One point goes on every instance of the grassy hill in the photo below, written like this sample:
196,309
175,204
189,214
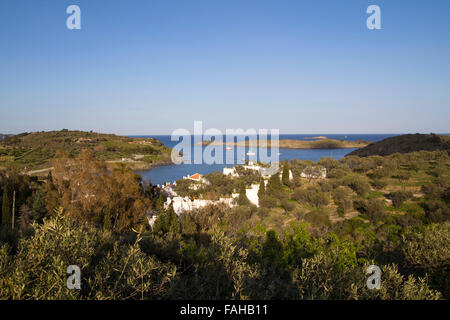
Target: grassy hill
405,144
36,150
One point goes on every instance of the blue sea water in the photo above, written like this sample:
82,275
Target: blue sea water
174,172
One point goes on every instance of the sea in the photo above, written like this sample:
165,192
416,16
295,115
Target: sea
173,172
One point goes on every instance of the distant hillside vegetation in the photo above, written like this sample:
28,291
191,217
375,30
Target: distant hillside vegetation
36,150
4,136
405,144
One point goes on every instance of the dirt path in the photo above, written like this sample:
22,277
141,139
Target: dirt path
39,171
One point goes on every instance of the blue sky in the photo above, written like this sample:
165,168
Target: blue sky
149,67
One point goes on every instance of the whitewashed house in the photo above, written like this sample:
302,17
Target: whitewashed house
181,204
314,172
251,193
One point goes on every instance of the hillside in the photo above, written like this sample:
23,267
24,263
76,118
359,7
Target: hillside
36,150
307,238
405,144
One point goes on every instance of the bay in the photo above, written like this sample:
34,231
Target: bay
171,173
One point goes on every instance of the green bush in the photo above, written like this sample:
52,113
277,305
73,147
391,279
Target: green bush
429,252
268,202
311,196
342,197
398,197
358,183
287,205
436,211
378,183
373,209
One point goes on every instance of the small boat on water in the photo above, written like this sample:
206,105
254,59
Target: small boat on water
251,153
228,148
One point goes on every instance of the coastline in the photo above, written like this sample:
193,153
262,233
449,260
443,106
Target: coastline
142,165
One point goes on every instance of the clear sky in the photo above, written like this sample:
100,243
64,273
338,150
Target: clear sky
149,67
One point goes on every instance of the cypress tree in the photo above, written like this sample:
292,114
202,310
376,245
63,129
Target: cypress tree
160,223
274,184
262,189
285,175
38,205
167,221
159,204
174,225
6,209
243,200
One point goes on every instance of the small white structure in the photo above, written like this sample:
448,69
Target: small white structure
250,166
230,171
181,204
314,172
151,219
169,189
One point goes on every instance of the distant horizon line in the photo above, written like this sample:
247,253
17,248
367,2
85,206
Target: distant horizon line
384,133
298,133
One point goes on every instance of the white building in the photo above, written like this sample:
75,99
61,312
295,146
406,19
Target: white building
181,204
314,172
251,193
169,189
250,166
230,171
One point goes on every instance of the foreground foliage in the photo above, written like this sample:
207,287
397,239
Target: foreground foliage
309,239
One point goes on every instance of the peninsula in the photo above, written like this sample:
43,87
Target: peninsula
33,152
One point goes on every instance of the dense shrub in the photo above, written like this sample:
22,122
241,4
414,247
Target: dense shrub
318,219
287,205
379,173
378,183
342,197
373,209
358,183
311,196
268,202
436,211
429,251
338,173
432,191
399,196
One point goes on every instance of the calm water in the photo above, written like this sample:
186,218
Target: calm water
175,172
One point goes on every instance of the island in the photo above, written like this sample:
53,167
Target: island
294,144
